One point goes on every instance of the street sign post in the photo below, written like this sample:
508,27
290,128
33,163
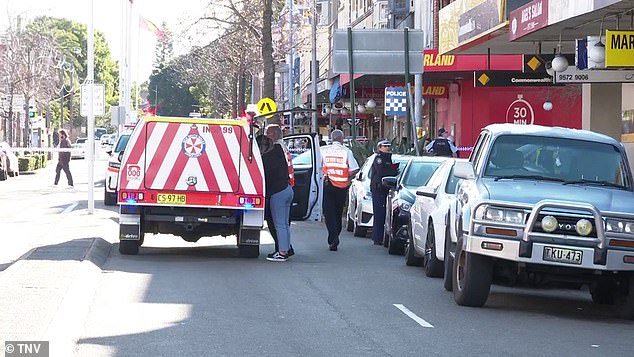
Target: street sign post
572,75
99,104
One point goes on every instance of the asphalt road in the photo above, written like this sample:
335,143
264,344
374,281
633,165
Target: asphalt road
201,300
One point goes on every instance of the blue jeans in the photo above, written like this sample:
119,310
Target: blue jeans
280,210
378,208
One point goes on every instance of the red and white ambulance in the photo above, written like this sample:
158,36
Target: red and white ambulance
196,177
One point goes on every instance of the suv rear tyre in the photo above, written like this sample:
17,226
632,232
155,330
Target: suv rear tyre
448,264
249,251
472,276
411,260
129,247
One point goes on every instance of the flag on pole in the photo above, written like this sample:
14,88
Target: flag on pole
149,25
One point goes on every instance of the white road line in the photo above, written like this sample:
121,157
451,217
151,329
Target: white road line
413,316
70,208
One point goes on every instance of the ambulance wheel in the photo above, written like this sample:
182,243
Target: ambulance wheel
109,198
129,247
249,251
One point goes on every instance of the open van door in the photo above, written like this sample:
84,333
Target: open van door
308,189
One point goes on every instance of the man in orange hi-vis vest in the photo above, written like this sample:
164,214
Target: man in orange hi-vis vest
339,166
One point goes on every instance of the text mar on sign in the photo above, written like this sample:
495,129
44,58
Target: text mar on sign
619,49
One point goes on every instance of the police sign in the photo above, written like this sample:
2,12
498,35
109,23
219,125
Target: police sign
396,101
619,48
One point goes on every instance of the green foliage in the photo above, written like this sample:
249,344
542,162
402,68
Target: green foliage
32,162
174,97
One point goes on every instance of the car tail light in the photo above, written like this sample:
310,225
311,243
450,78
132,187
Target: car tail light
132,197
249,201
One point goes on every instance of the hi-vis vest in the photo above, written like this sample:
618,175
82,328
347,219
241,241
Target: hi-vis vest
335,165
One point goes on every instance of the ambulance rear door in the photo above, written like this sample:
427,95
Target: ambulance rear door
306,157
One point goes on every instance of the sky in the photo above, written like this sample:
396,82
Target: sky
178,14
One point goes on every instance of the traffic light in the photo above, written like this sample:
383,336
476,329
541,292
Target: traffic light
31,111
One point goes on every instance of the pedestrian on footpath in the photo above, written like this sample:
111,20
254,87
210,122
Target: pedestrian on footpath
442,146
63,161
279,193
274,132
339,166
382,166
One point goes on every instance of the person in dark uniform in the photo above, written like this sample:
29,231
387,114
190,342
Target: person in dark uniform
382,166
442,146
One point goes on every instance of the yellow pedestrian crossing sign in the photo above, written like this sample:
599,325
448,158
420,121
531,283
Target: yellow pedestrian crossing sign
266,105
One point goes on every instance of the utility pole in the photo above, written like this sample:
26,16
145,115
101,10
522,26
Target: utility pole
291,86
91,115
314,69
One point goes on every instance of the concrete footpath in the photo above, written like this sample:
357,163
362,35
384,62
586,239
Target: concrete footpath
46,295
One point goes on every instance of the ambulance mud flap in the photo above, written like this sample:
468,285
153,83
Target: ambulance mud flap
249,243
129,227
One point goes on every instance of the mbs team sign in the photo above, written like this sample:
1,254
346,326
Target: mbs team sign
619,48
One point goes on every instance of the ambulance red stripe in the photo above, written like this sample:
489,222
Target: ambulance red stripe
226,157
254,170
155,165
177,171
135,154
210,178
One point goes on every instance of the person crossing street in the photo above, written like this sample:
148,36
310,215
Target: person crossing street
339,166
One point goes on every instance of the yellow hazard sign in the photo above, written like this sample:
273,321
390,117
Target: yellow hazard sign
265,106
619,48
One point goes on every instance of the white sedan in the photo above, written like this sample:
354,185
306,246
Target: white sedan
79,148
430,217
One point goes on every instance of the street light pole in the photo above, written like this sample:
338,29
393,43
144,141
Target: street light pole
314,69
91,115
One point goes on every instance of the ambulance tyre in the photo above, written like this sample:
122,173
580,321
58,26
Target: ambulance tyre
109,198
248,251
129,247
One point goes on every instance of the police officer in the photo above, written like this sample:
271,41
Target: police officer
442,146
382,166
339,166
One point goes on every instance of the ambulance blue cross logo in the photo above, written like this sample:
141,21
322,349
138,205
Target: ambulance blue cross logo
396,101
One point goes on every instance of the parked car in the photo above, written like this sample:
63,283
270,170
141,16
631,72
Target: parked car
360,215
105,139
12,168
79,148
4,166
111,186
401,198
430,221
544,206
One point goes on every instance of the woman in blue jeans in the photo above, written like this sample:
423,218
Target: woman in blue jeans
279,193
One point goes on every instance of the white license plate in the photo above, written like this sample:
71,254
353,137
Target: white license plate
561,255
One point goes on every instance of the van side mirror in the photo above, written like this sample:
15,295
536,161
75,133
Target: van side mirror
464,170
426,191
389,182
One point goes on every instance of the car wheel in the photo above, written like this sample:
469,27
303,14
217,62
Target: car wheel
349,224
627,308
433,267
358,231
472,276
396,246
3,175
448,263
109,198
129,247
603,292
411,259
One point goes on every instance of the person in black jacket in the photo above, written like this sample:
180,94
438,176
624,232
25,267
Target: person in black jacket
382,166
442,146
279,194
